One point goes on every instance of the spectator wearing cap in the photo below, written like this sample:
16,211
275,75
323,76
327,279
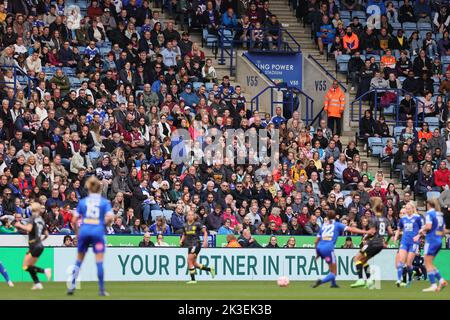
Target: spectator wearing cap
214,220
189,97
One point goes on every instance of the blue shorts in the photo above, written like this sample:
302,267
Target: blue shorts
432,248
90,237
327,254
409,247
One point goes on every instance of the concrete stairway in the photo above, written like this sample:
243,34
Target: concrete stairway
303,36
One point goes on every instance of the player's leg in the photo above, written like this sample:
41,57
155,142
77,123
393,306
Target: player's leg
430,251
360,260
5,275
331,276
191,266
409,263
83,245
401,259
202,266
99,250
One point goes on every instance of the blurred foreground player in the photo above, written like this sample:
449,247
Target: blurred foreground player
95,211
37,232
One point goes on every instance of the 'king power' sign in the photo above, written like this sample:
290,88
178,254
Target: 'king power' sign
284,67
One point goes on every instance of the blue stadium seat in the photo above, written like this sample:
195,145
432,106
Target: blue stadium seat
342,63
390,110
371,141
209,86
424,26
210,40
360,14
445,59
227,38
168,215
432,121
410,26
155,214
345,14
397,132
396,25
197,85
433,195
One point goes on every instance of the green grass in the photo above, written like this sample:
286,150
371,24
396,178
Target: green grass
207,290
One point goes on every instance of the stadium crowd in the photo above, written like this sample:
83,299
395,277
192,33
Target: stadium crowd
109,87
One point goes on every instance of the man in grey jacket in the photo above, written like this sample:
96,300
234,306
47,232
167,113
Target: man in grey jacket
437,141
81,160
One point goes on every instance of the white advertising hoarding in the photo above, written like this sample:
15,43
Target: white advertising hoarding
170,264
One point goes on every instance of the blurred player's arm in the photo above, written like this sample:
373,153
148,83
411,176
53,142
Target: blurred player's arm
205,237
360,231
182,240
424,230
27,227
45,235
75,223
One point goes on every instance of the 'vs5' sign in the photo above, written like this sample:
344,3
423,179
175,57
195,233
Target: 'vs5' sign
320,85
252,81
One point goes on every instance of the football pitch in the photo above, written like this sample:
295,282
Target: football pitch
229,290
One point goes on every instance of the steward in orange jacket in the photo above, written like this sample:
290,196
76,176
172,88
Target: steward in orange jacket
334,105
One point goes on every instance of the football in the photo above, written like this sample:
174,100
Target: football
283,281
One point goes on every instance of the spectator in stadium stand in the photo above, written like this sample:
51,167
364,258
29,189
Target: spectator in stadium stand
232,242
247,241
425,180
441,19
355,66
406,12
441,176
146,241
311,227
422,11
334,105
273,243
369,42
350,41
444,44
325,34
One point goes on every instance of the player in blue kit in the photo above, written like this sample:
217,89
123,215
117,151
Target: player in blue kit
325,243
433,230
410,225
95,212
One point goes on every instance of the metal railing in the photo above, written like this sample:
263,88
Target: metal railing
229,42
377,109
26,79
327,72
290,100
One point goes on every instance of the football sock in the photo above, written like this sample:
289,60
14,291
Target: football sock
100,275
410,273
432,277
4,273
367,270
405,273
400,271
75,272
192,273
437,274
359,269
203,267
330,277
32,271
